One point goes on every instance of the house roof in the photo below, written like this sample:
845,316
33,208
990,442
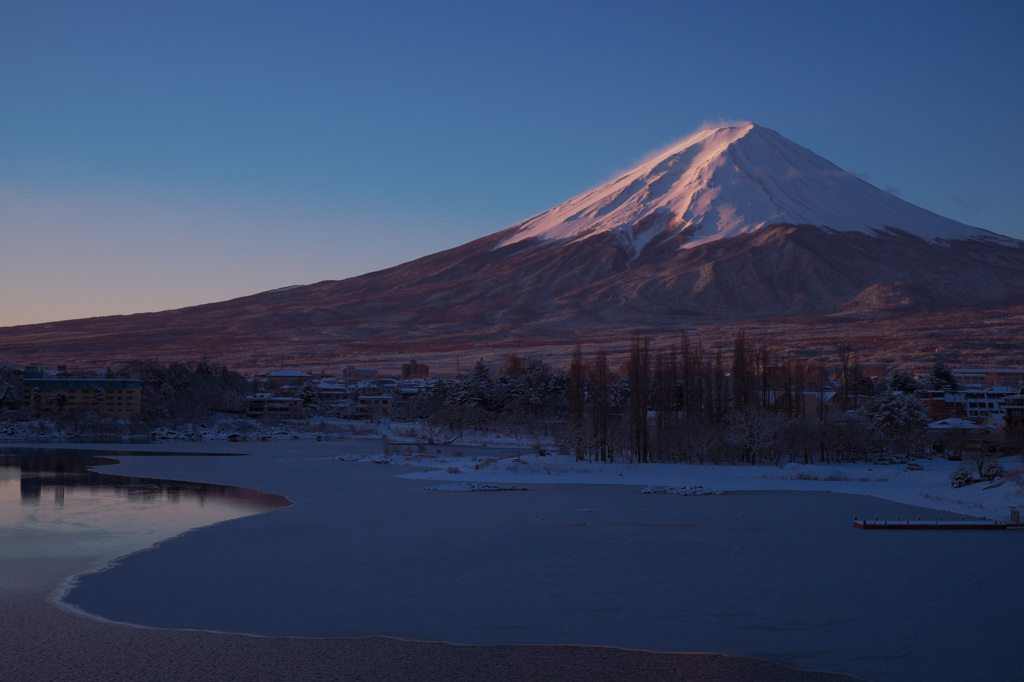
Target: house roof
270,397
956,423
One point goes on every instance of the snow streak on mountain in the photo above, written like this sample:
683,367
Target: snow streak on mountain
719,183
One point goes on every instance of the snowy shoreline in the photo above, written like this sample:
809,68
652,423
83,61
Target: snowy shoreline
924,482
490,459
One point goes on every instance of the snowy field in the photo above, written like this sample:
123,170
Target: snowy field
771,568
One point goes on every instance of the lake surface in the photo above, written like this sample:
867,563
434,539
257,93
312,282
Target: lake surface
781,576
52,504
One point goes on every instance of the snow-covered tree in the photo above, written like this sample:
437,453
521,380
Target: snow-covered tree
987,463
897,415
477,388
903,382
58,401
756,432
309,394
98,396
960,478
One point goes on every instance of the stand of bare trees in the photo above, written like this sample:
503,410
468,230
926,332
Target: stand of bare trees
680,404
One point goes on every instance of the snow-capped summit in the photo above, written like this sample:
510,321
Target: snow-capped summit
722,182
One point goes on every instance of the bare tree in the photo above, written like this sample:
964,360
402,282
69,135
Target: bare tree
718,388
704,441
600,403
744,377
513,367
664,400
576,389
639,392
986,462
757,433
691,363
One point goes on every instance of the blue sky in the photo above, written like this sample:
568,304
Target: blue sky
156,155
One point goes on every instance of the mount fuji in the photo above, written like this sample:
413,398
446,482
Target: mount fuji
730,224
723,182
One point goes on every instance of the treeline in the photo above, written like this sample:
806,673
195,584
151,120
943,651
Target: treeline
678,403
526,398
685,403
182,392
172,394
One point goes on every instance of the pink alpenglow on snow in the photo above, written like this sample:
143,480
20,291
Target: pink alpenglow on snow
726,181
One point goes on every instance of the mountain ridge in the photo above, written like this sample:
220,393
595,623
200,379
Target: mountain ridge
703,248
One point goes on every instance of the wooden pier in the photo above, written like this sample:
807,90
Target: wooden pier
1002,523
941,524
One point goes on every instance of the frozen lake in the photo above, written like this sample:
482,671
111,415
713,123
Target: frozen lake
777,575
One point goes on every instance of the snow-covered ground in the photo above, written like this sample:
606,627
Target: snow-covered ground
922,482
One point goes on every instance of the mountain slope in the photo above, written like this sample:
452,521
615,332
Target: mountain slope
729,224
719,183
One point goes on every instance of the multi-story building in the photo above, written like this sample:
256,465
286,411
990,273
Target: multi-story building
415,370
118,398
353,373
975,378
1013,415
373,406
1000,377
283,378
272,406
330,391
984,406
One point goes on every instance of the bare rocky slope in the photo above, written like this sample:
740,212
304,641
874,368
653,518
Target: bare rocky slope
700,237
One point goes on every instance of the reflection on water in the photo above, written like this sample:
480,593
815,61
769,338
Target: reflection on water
49,498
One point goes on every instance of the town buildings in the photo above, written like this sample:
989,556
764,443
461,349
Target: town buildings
117,398
268,405
980,406
1013,416
291,394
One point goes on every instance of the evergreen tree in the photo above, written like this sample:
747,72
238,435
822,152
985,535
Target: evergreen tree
899,416
942,379
903,382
